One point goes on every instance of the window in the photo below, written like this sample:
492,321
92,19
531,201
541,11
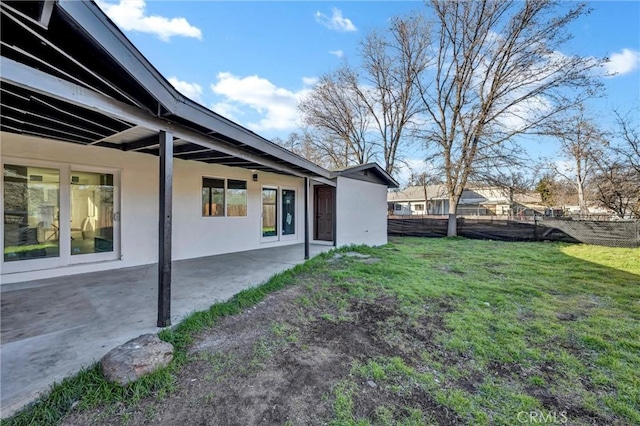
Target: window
236,197
224,195
420,207
212,197
397,207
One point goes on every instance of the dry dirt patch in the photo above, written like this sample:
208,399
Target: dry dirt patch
278,362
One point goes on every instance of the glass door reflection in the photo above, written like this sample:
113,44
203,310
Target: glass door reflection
92,212
288,212
269,212
31,212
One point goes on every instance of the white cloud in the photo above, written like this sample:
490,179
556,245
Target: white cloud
337,53
278,107
336,22
227,110
622,63
520,116
130,16
190,90
309,81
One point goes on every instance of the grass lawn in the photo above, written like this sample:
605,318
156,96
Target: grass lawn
424,331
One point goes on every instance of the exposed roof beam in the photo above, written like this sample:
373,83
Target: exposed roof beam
27,17
48,65
32,133
44,40
140,143
31,79
53,120
47,104
47,128
45,13
233,163
24,98
211,155
188,148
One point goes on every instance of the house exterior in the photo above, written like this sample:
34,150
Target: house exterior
475,201
105,165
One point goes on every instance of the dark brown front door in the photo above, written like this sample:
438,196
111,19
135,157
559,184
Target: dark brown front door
324,200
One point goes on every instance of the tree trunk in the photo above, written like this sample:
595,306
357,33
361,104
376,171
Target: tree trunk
581,201
452,228
426,199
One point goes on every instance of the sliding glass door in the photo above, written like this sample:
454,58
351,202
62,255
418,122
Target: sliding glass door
93,210
56,215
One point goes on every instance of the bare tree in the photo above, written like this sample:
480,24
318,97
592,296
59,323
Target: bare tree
305,146
618,187
617,176
340,118
581,142
628,147
368,109
498,74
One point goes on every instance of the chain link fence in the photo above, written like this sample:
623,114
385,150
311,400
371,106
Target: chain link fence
605,233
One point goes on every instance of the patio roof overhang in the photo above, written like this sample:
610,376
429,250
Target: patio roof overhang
69,74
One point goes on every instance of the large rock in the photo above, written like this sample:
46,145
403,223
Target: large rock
132,360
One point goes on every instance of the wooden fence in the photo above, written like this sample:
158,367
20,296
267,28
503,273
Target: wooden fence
609,233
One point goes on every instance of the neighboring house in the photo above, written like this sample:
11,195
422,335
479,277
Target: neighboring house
412,201
105,165
592,211
475,201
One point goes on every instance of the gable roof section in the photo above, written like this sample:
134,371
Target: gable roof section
416,193
471,195
370,172
79,44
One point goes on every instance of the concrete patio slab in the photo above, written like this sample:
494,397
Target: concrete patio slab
52,328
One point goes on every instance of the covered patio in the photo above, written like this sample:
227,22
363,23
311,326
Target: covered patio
53,327
107,167
70,79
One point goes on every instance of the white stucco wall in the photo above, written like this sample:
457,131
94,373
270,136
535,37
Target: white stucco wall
193,235
361,213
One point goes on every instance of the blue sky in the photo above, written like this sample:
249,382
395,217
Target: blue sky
253,61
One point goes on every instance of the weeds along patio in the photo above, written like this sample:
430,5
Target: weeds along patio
53,327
